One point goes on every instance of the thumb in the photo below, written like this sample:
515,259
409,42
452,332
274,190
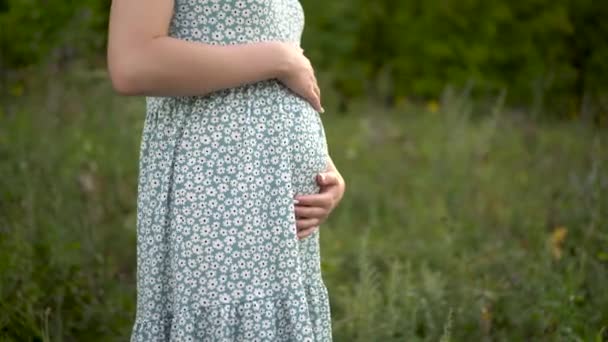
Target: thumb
327,178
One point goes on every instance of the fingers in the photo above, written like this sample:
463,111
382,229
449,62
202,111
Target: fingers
306,223
323,200
301,80
306,232
318,95
315,85
314,88
310,212
313,96
314,100
317,92
327,178
309,218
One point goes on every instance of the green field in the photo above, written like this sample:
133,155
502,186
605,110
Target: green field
461,221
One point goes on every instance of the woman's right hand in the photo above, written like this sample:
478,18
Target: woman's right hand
299,76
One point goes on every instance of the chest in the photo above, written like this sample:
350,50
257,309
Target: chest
237,21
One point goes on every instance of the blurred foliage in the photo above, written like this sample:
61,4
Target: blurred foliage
546,53
50,31
400,49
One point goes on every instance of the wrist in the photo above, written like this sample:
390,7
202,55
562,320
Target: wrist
281,57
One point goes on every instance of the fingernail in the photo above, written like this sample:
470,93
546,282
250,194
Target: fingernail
295,201
322,176
322,110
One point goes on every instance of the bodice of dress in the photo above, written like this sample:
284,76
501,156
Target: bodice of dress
238,21
226,22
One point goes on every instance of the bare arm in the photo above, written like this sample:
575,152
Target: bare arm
144,60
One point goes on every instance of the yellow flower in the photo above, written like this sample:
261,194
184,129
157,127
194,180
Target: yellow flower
432,106
556,241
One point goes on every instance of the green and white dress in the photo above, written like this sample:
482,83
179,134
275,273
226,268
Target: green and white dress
218,258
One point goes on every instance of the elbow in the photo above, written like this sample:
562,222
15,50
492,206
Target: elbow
132,68
122,83
124,78
125,70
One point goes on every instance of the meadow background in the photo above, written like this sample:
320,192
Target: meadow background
471,134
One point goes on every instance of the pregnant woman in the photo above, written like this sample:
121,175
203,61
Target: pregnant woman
234,172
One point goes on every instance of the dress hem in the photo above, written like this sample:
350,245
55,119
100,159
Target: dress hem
224,322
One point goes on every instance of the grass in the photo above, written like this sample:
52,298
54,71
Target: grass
461,222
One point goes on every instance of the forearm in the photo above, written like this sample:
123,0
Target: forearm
166,66
143,59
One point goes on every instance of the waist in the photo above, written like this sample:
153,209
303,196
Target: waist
266,89
268,93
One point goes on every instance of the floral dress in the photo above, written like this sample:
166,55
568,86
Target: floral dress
218,258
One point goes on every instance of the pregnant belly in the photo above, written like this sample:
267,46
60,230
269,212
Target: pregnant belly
308,143
294,119
260,130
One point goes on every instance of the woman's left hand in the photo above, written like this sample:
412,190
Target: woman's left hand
312,210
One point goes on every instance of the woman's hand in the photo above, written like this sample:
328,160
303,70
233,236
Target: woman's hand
312,210
299,76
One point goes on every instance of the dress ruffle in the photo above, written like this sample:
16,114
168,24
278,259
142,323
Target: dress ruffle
299,316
